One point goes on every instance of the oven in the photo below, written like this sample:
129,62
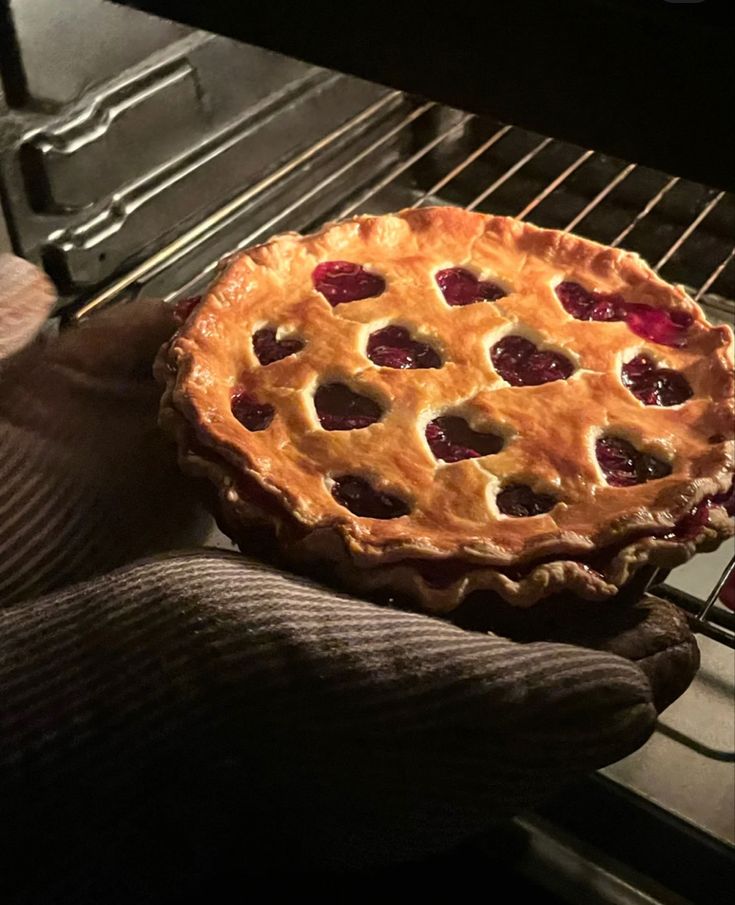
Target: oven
131,165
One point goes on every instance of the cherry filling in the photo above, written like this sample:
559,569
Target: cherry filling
590,306
668,328
184,307
361,498
269,349
520,363
460,287
623,465
654,385
698,516
253,415
441,573
341,409
343,281
392,347
451,439
520,501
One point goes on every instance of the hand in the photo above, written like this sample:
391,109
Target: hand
198,711
87,480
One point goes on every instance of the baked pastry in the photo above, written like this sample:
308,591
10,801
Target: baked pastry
438,401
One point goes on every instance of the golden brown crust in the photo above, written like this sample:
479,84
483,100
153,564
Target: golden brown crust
551,429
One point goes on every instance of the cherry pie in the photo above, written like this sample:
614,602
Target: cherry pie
439,401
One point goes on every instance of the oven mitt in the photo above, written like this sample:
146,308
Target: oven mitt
197,715
87,480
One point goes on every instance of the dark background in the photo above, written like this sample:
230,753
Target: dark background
646,80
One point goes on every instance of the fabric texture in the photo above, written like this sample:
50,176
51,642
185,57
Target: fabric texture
349,734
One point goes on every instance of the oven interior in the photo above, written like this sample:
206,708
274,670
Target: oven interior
133,175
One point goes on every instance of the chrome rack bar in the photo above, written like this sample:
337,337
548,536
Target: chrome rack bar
715,273
402,167
222,213
705,212
694,606
471,158
712,599
641,215
554,184
603,193
508,173
315,190
249,239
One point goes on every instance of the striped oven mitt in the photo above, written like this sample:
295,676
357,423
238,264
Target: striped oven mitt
166,720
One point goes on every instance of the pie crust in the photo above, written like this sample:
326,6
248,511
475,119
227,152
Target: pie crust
453,539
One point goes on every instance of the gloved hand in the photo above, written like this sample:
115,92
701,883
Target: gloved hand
87,481
175,717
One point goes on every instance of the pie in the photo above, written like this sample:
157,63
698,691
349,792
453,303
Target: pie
435,402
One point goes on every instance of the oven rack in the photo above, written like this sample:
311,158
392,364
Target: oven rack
423,153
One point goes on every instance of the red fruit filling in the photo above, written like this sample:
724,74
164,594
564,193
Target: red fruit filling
184,307
623,465
253,415
520,363
460,287
441,573
392,347
269,349
341,409
668,328
361,498
343,281
520,501
654,385
451,439
590,306
697,517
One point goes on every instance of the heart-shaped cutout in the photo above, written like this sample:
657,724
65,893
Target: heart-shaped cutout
520,501
667,328
341,409
344,281
590,306
521,363
268,348
361,498
392,347
461,287
654,385
623,465
253,415
451,439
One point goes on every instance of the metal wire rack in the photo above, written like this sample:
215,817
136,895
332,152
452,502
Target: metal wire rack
402,152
